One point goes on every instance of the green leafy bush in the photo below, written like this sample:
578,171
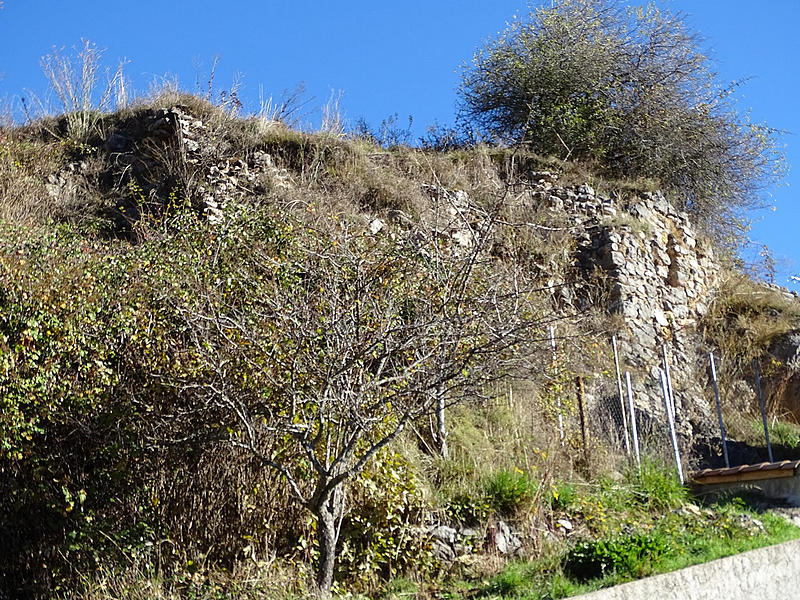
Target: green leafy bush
630,90
508,490
87,465
562,495
468,509
378,536
632,556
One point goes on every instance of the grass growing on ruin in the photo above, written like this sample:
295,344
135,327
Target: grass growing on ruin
621,531
744,318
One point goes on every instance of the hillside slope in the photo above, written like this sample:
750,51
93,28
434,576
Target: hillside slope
177,283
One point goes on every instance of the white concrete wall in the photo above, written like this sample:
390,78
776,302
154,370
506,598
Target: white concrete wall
771,573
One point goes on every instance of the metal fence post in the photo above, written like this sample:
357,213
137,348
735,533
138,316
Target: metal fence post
669,381
633,419
621,399
671,423
719,409
555,373
763,410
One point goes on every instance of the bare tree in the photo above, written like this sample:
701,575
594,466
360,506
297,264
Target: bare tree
315,358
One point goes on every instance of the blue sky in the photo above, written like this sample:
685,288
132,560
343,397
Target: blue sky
388,57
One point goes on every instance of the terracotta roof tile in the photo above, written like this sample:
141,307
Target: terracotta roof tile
765,470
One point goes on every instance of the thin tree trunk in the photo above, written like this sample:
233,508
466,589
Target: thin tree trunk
327,537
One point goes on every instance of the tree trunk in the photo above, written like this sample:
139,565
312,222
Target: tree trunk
327,535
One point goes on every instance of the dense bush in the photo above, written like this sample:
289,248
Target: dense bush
95,465
153,391
630,556
508,490
629,89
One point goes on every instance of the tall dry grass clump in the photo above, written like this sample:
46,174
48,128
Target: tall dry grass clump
76,82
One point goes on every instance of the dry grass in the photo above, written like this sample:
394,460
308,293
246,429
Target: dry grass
745,317
25,165
270,580
75,78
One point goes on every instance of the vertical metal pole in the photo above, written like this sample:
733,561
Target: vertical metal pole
763,410
621,399
441,427
669,380
719,409
555,373
584,419
671,423
632,413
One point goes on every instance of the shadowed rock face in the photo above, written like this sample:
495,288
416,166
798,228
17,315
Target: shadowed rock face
782,390
786,349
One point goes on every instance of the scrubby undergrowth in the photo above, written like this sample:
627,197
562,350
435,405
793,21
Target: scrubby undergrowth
149,347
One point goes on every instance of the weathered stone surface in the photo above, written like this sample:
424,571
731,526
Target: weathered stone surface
502,539
787,350
376,226
658,274
449,544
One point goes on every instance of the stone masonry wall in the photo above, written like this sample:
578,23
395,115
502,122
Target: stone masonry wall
660,277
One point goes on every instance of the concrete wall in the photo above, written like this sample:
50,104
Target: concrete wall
771,573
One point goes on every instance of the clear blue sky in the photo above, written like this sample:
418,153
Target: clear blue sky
389,57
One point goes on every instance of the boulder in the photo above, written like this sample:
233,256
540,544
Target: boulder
501,538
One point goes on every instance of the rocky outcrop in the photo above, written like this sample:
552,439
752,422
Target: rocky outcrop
449,543
638,259
660,280
656,276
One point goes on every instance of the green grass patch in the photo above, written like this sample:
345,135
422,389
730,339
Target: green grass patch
644,525
508,490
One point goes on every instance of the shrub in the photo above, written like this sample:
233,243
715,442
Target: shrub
627,88
379,538
624,555
468,509
562,495
744,319
506,491
74,81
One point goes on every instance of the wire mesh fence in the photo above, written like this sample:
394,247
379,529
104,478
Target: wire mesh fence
649,412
